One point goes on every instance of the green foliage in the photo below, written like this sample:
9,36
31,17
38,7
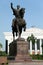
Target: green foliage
4,63
2,53
32,38
37,57
0,45
28,39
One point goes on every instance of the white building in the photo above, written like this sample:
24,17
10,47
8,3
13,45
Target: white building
33,49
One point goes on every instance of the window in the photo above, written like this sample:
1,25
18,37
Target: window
38,44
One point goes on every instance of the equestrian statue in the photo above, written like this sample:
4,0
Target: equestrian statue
18,23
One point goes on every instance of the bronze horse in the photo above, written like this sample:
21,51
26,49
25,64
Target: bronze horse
17,27
18,23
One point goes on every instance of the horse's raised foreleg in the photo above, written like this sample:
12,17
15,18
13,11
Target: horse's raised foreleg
13,32
18,31
13,35
24,27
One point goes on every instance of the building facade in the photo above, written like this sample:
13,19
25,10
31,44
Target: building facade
33,48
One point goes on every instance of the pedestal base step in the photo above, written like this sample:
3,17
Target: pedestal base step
23,58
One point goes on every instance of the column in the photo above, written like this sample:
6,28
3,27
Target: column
40,47
30,47
8,47
35,47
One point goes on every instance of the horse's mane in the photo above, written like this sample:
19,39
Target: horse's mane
22,11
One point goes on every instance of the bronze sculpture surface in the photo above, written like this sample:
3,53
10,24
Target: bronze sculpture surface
18,23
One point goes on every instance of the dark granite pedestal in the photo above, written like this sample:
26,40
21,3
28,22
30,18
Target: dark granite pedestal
21,48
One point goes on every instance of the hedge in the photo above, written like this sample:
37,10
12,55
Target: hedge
2,53
37,57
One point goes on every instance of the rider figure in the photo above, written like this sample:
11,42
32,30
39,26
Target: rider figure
16,11
17,16
18,20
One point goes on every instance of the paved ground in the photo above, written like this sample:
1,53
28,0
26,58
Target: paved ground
27,63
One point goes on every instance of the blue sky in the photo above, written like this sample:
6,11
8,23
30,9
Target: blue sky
33,15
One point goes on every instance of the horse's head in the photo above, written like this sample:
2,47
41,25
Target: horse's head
22,10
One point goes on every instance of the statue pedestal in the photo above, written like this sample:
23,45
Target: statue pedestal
22,51
19,50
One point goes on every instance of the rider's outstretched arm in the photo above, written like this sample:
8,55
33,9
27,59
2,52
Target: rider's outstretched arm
12,6
13,9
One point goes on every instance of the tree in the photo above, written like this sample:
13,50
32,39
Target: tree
31,38
0,46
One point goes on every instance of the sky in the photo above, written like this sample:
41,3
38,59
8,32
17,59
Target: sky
33,15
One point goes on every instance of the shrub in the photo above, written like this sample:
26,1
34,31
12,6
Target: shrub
2,53
38,57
